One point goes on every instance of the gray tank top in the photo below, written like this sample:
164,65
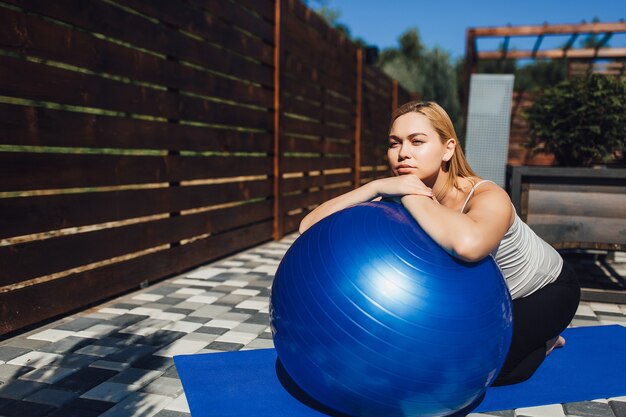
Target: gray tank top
527,262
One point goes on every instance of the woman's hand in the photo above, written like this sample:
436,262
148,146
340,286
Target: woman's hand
386,187
401,185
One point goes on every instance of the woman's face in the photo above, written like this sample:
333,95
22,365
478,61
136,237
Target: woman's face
415,147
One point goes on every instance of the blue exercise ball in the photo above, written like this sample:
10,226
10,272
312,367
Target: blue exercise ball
371,317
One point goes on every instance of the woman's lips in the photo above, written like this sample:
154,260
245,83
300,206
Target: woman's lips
405,168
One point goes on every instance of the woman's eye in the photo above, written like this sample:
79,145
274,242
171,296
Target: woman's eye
392,144
417,142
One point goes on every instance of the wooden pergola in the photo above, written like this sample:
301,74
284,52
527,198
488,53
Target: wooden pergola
540,32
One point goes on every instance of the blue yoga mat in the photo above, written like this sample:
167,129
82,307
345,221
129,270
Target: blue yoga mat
253,383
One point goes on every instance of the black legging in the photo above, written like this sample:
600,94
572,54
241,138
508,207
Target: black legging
538,318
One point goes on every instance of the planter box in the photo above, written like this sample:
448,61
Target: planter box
572,208
576,208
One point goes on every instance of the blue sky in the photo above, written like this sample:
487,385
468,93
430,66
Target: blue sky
444,23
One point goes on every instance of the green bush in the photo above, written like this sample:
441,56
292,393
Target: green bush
580,121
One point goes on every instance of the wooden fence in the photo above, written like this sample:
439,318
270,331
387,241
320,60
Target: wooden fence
139,139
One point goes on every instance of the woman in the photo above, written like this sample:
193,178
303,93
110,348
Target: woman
472,218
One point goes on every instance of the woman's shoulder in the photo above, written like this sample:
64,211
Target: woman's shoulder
474,186
489,194
482,186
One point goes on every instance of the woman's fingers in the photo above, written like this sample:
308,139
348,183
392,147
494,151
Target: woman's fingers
403,185
416,186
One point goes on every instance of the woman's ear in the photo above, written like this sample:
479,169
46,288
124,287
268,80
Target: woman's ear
450,146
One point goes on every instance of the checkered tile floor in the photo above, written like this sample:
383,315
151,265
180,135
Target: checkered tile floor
116,359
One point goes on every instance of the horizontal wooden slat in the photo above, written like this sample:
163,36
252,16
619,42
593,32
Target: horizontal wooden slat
290,144
305,182
337,80
34,81
35,171
576,176
35,303
575,203
51,41
345,103
310,72
319,112
233,12
376,101
300,29
292,223
373,158
376,137
369,160
582,53
37,126
315,164
377,76
379,121
585,186
579,231
374,134
309,19
293,202
382,83
373,151
403,96
100,17
378,115
264,8
292,86
307,52
375,142
38,258
26,215
305,127
181,15
545,29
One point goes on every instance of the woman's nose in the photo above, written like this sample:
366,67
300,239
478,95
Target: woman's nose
403,152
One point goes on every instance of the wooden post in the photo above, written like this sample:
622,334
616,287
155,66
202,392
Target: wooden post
357,128
394,95
471,66
174,153
278,56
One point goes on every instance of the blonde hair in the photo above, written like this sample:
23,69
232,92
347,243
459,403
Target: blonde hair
457,166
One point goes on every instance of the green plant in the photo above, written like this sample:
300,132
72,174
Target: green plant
580,121
428,72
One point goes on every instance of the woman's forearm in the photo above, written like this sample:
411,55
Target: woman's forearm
362,194
457,233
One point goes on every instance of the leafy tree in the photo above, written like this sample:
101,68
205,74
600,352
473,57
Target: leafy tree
428,72
499,66
441,81
540,74
405,62
580,121
535,75
331,16
591,40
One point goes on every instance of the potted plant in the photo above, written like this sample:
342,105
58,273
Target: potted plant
581,121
